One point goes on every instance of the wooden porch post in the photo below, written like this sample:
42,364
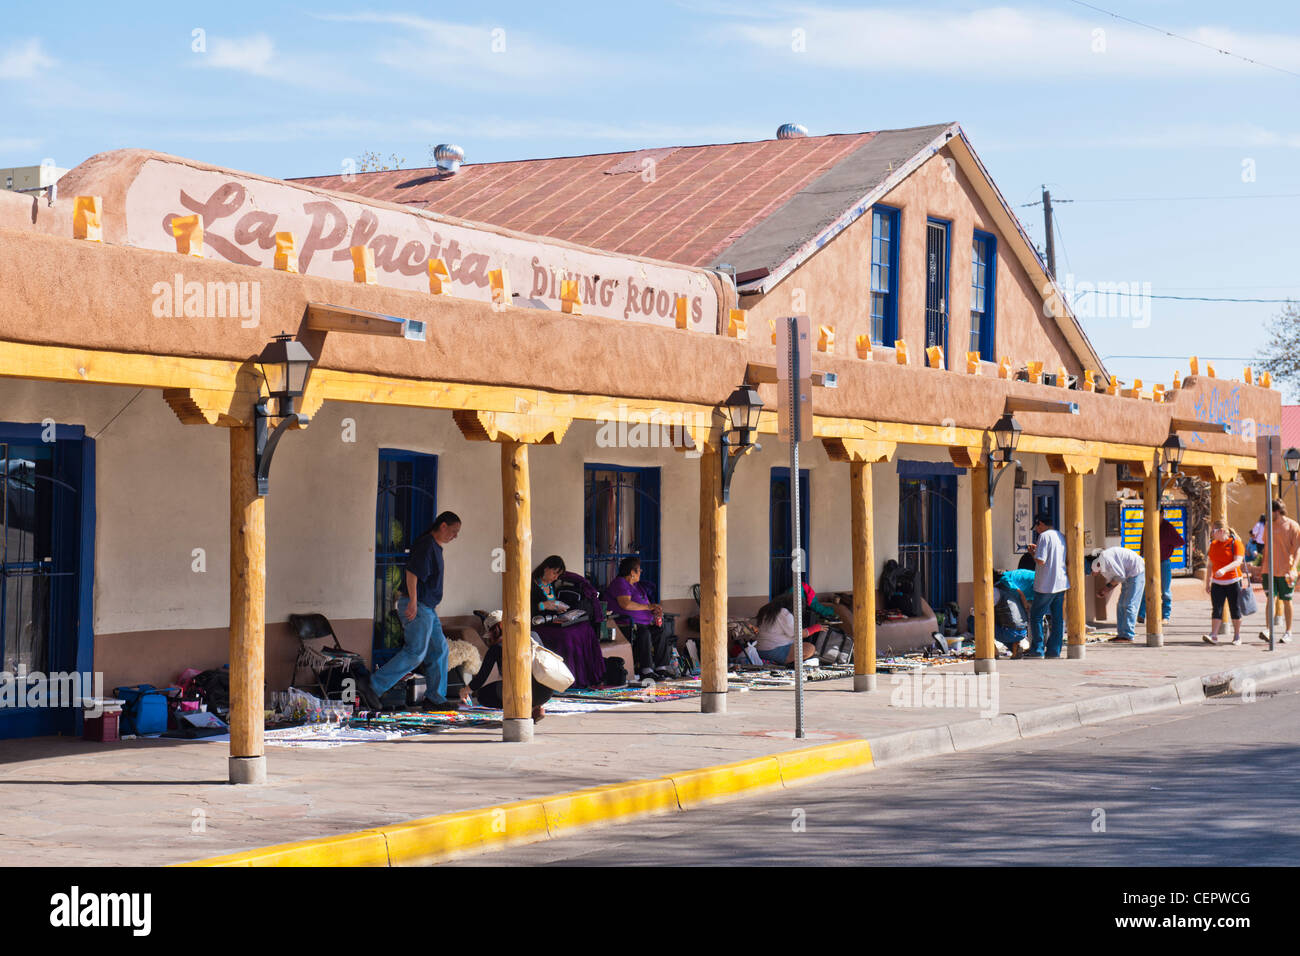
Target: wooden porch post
862,530
1218,502
1151,554
981,537
713,583
861,454
515,431
1073,468
1075,613
516,626
247,612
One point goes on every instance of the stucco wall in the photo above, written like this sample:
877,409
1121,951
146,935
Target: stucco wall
833,286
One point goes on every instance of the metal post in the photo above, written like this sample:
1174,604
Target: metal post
797,539
1051,238
1268,536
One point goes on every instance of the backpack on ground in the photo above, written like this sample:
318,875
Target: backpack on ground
615,672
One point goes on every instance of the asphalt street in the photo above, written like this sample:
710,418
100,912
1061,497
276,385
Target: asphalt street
1215,783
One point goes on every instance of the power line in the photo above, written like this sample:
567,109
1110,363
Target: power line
1180,298
1178,36
1169,198
1061,232
1217,358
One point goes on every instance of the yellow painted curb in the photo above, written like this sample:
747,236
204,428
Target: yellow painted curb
696,787
364,848
839,757
617,801
431,839
437,838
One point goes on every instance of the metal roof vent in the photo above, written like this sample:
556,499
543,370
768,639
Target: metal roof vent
792,131
448,156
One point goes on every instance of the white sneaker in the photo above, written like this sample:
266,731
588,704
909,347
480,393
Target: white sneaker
1236,641
1286,638
1209,640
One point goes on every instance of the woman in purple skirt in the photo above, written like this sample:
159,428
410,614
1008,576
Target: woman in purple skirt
578,644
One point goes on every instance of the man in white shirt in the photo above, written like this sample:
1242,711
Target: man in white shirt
1050,585
1124,567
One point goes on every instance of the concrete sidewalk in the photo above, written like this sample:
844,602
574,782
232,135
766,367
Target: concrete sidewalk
64,801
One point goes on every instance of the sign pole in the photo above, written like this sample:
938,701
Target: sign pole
1270,590
795,399
1268,453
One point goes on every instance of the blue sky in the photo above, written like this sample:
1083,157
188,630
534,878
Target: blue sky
294,89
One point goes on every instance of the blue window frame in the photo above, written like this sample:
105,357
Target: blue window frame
884,275
621,521
406,505
47,568
780,576
983,294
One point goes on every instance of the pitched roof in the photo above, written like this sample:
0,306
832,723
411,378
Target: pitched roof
747,204
1291,426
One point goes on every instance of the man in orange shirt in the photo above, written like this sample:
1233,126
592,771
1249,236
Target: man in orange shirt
1286,540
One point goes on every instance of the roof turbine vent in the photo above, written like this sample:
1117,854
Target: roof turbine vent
448,156
792,131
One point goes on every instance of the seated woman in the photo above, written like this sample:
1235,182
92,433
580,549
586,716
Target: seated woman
486,686
651,652
578,644
775,622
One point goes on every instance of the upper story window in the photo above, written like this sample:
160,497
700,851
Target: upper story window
983,275
884,275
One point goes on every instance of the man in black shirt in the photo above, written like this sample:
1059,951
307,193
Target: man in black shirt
425,644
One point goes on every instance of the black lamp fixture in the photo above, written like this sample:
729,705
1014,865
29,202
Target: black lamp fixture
1171,458
743,408
285,364
1006,436
1291,462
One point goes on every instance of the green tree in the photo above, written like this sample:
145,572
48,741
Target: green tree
1281,355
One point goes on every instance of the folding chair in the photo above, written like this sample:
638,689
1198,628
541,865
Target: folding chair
314,654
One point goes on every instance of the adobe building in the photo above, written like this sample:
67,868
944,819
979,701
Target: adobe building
553,308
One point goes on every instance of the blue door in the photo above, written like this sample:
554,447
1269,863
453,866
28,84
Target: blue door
405,508
46,576
780,576
927,533
1047,498
621,508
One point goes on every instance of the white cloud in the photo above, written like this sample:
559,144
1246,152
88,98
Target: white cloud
255,55
1004,41
461,55
23,60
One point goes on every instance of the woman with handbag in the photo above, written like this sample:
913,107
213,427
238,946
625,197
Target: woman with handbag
487,686
1224,580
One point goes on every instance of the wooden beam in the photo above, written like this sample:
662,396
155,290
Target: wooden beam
713,585
966,456
247,613
858,449
1073,464
1151,555
759,374
982,547
1019,403
861,532
1076,596
336,318
516,592
1192,425
1218,501
528,429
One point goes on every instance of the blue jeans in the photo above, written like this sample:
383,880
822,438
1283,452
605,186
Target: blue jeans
1130,596
425,648
1053,604
1166,594
777,655
1008,636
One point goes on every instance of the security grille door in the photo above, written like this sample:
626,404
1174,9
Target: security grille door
936,286
622,521
405,507
927,534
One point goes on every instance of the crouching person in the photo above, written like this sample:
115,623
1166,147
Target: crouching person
776,643
487,686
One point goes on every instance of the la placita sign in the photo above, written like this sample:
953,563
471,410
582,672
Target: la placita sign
241,216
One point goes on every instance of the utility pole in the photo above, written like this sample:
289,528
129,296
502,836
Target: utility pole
1047,227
